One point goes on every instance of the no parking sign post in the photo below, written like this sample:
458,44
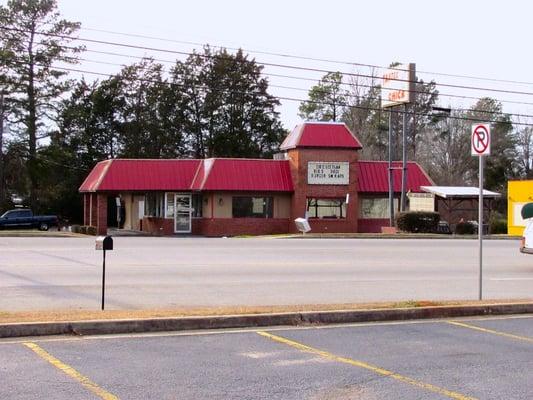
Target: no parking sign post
480,141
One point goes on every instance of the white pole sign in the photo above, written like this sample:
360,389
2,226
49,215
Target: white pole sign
480,140
397,85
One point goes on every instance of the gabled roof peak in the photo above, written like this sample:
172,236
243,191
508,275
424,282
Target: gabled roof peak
321,134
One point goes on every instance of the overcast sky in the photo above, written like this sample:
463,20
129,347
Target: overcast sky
480,38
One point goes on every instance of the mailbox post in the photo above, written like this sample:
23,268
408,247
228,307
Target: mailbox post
103,243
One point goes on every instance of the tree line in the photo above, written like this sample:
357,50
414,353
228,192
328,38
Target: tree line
214,103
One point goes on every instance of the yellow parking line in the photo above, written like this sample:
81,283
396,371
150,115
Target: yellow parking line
491,331
86,382
361,364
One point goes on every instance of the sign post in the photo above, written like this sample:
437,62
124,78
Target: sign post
480,141
397,88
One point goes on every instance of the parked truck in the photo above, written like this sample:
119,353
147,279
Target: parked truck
24,218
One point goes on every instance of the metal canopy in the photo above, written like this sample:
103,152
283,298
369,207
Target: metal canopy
449,192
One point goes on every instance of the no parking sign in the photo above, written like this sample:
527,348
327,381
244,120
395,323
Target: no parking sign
480,140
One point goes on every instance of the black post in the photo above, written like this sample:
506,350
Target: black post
103,282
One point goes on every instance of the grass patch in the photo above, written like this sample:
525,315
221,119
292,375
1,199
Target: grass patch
84,315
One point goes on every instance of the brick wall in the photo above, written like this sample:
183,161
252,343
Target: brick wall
372,225
217,227
298,162
243,226
158,226
101,214
94,210
86,209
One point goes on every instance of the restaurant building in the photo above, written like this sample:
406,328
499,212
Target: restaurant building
317,176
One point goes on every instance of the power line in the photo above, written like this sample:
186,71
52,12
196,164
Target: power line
118,44
299,57
307,79
352,96
465,97
351,106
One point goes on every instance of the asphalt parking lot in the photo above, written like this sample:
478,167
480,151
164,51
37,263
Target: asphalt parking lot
477,358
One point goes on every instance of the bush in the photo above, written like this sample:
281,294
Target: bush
465,228
418,221
91,230
498,225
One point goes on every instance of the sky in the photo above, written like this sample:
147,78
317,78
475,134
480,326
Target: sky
487,39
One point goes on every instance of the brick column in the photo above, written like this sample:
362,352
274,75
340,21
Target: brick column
86,209
93,213
101,211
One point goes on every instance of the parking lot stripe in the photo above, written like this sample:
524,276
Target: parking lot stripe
86,382
361,364
491,331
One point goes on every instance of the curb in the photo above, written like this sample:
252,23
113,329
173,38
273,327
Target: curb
103,327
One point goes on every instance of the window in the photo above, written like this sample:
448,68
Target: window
197,205
169,210
326,208
375,208
154,205
252,207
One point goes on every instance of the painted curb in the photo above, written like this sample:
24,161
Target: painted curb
102,327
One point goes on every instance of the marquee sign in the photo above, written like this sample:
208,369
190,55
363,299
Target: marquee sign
328,173
397,85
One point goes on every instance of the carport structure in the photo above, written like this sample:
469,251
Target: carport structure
456,203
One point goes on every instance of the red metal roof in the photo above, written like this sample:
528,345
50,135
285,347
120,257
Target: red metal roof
321,134
248,175
374,178
91,183
226,174
172,175
131,175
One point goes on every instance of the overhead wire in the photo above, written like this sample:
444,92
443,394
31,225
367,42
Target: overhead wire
300,57
441,94
296,67
348,95
350,106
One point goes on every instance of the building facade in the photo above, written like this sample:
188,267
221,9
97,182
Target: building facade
317,176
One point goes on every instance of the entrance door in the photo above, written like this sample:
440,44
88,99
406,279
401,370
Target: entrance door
182,216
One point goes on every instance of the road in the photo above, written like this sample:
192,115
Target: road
148,272
477,358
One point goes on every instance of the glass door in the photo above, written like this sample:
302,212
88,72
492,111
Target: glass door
183,213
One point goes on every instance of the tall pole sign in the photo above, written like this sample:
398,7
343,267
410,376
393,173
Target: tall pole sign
480,141
397,88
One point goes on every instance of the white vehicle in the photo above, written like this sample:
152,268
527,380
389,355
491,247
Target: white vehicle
526,243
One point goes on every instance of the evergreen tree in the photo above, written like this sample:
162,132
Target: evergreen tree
32,42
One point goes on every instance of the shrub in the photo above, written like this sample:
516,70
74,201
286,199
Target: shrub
465,228
75,229
498,225
91,230
418,221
